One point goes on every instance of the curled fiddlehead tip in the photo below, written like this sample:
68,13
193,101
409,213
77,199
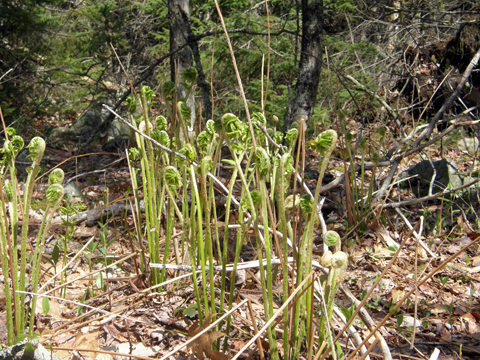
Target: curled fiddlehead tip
203,139
147,93
306,204
172,178
161,122
233,127
12,147
55,194
142,127
263,162
163,138
260,118
325,141
362,142
133,155
291,136
132,103
184,111
36,148
287,162
331,238
56,177
189,75
244,204
168,90
210,127
337,261
278,137
326,259
256,198
292,202
190,153
340,263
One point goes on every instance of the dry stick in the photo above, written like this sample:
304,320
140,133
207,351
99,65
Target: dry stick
91,273
428,131
365,317
272,319
426,198
239,80
416,293
83,305
66,266
130,82
255,329
369,350
117,301
407,295
431,97
71,158
98,351
107,317
434,337
417,235
367,296
203,331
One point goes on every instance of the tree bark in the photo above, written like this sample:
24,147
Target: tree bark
301,106
193,43
182,59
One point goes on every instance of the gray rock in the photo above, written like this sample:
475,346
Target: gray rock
72,191
117,144
87,126
468,144
17,352
420,176
474,190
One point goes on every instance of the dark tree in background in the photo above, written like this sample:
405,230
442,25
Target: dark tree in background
303,102
181,60
22,26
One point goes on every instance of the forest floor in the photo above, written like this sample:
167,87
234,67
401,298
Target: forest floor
443,313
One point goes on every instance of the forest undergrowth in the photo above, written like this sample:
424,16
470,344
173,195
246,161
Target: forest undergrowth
126,284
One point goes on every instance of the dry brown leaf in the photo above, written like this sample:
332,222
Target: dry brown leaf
470,323
137,282
205,342
397,295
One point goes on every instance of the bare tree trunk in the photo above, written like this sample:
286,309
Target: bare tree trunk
182,59
301,106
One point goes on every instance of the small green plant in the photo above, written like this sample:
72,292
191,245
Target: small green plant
399,323
443,280
471,296
449,308
360,200
89,255
14,267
